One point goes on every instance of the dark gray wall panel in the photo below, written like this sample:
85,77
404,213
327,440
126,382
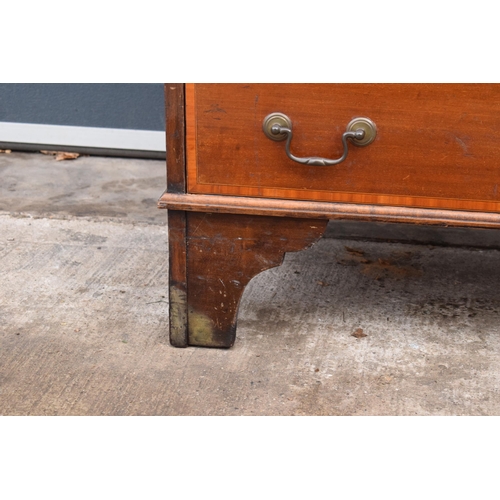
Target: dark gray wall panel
110,105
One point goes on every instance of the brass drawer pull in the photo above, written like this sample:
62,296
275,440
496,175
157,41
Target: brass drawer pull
278,127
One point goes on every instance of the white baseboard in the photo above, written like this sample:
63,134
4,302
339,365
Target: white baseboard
83,137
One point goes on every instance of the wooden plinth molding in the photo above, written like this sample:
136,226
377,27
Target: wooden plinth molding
330,211
212,259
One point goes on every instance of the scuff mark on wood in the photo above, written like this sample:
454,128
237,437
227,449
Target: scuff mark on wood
215,108
178,316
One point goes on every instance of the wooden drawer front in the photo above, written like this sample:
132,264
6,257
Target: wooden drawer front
437,145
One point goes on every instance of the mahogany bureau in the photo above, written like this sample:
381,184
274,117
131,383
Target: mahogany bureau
254,171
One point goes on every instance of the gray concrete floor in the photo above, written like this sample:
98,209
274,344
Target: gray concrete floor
84,305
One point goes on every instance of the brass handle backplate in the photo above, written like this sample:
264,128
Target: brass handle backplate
360,131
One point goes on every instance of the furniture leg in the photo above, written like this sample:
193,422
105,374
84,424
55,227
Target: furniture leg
212,259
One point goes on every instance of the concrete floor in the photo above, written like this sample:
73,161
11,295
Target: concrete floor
83,310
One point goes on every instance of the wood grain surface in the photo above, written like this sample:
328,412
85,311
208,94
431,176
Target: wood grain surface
175,131
437,145
176,183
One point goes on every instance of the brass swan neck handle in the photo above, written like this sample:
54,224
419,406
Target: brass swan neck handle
360,131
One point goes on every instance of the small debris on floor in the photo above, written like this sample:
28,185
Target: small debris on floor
61,155
390,268
355,251
354,258
359,334
6,151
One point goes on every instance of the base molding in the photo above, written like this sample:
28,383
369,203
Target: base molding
326,210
